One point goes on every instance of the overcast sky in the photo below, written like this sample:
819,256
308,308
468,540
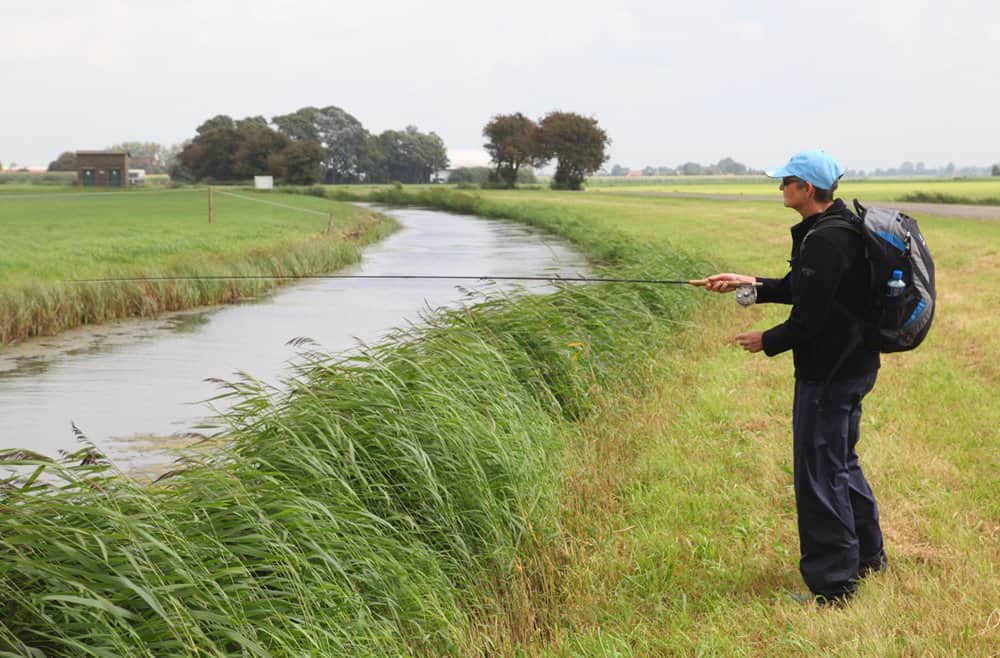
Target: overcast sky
875,82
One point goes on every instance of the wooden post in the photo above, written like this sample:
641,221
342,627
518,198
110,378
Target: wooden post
209,204
329,222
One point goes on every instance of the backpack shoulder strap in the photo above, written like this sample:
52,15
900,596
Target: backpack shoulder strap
853,225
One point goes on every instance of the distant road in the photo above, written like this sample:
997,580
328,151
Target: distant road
943,209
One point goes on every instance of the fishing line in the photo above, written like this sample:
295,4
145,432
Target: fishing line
482,277
746,292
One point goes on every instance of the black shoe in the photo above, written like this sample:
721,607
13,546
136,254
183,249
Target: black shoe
878,566
835,601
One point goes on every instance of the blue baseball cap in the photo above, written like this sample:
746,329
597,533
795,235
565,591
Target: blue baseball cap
817,167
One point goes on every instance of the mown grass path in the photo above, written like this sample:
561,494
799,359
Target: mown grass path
679,514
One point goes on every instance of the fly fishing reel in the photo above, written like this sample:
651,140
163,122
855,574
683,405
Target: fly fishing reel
746,295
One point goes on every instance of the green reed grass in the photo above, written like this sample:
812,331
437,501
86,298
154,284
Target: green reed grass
377,508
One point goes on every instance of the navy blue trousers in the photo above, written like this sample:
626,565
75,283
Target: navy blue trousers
839,534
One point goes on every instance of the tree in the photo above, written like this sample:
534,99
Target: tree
144,155
212,153
65,162
252,122
619,170
256,143
996,170
348,146
475,175
730,166
299,163
409,156
218,122
577,143
514,141
227,150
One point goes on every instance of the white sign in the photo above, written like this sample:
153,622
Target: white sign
263,182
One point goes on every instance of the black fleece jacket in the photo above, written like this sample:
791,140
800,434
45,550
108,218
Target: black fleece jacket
828,282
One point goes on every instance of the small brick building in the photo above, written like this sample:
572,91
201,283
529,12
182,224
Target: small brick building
102,168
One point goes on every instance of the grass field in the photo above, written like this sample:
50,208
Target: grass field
599,472
53,237
970,189
680,516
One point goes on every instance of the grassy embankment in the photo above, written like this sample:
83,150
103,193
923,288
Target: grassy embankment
679,527
50,238
393,504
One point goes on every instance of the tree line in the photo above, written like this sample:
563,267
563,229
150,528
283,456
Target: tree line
308,146
723,166
516,142
304,147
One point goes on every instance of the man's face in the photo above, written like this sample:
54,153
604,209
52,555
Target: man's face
795,191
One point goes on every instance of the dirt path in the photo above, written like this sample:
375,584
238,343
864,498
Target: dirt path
941,209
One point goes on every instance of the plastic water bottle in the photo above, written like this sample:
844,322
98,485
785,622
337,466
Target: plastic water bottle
896,284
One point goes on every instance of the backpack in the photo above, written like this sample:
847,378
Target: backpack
893,241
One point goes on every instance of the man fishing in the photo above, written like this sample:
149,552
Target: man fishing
827,288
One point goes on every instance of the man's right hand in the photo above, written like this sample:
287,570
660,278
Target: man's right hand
728,282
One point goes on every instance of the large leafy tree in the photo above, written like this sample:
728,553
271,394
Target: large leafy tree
577,143
225,150
299,163
347,145
514,141
409,156
212,153
256,143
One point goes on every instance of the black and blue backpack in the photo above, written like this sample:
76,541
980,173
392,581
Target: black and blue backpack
893,241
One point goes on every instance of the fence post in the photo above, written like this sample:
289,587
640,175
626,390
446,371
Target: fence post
329,222
209,204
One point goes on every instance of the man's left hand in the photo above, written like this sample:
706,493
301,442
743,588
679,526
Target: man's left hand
752,341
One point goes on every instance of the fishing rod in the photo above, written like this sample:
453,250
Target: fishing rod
746,293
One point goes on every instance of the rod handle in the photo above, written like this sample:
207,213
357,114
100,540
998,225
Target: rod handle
701,283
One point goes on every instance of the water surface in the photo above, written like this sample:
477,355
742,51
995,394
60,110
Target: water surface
136,386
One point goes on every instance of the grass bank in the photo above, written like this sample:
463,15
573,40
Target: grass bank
50,239
395,503
678,522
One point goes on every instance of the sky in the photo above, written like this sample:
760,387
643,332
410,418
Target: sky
874,82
